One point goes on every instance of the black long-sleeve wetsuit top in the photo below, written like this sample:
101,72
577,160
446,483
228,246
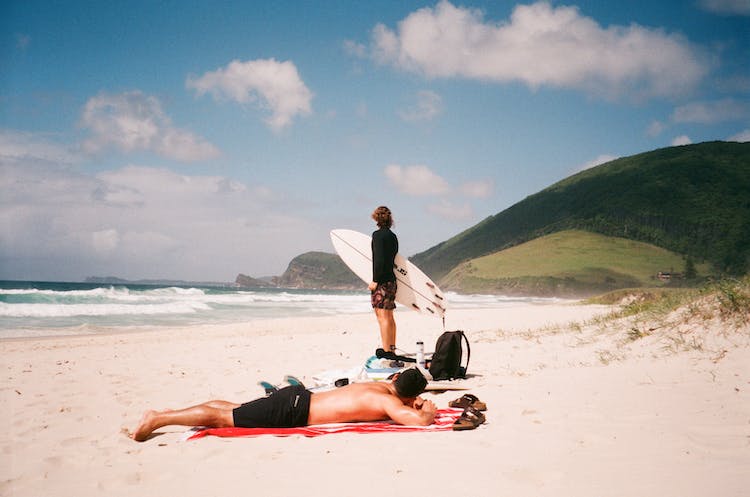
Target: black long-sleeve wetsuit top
384,250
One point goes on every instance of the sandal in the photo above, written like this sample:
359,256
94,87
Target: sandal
470,419
468,400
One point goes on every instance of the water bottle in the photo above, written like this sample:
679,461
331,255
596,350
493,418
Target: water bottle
420,354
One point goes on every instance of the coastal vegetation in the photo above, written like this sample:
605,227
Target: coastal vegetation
675,316
728,299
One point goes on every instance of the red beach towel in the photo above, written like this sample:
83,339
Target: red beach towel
444,420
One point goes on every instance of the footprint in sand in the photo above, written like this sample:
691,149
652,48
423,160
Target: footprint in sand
529,412
72,441
54,461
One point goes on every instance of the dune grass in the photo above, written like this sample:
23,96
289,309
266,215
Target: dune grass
728,299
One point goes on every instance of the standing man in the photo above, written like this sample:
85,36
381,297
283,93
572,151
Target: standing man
383,285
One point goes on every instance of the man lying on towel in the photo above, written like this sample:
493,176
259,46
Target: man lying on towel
295,406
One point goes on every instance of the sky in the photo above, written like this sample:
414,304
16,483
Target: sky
196,140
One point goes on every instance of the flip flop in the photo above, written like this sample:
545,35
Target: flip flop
469,420
468,400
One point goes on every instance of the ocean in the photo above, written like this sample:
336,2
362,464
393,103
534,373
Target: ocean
36,309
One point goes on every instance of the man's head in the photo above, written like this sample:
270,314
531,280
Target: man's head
383,217
410,383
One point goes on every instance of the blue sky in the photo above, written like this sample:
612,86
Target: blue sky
197,140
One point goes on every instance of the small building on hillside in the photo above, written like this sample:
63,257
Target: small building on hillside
668,275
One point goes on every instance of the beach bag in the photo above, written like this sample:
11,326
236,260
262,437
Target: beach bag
446,360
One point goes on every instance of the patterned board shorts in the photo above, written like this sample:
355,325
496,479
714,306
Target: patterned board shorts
384,296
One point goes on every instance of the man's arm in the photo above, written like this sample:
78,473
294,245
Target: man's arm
422,414
378,257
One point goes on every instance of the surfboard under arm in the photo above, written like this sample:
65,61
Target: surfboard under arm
415,289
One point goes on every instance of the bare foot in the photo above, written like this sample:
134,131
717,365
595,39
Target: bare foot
145,427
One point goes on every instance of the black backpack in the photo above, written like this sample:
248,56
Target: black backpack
446,361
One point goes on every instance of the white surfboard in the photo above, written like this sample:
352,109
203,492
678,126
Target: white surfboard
415,290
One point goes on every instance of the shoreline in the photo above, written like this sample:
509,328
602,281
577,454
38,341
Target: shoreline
44,332
573,409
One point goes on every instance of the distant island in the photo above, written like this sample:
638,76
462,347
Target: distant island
114,280
319,270
311,270
245,281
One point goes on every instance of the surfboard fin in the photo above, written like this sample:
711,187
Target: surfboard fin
268,387
294,381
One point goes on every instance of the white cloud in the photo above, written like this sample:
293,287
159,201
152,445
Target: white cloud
416,180
105,241
133,121
138,222
706,112
742,137
727,7
274,85
429,105
541,45
712,112
420,181
477,189
355,49
681,140
19,146
601,159
448,210
655,128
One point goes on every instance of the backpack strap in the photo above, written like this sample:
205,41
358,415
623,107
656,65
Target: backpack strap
468,350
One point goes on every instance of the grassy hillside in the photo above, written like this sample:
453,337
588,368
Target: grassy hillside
692,200
570,263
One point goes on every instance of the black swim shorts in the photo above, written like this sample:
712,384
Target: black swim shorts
384,296
286,408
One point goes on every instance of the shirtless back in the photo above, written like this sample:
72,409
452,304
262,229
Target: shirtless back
355,402
369,402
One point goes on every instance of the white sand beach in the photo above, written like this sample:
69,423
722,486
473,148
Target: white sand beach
594,408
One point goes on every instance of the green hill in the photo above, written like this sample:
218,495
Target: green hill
570,263
692,200
319,270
